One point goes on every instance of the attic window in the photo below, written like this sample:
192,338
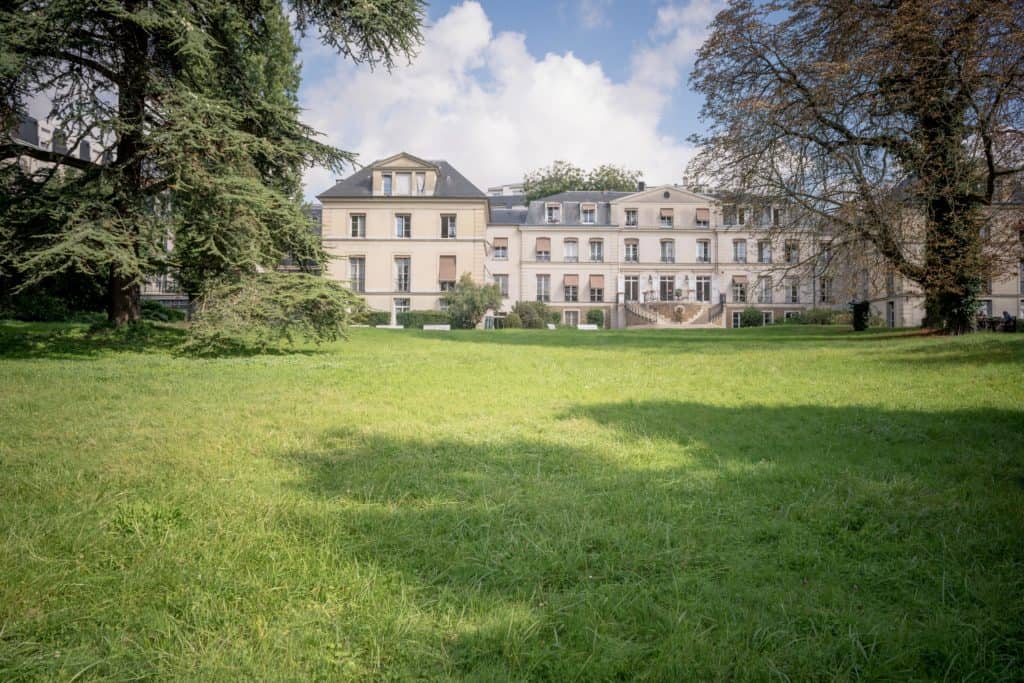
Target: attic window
588,213
667,194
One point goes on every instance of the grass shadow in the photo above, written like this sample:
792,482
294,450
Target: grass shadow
64,341
705,542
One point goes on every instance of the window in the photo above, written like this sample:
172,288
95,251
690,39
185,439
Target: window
1020,278
554,213
542,249
358,225
986,308
502,282
596,294
403,268
739,251
764,251
446,273
386,179
633,254
570,249
666,287
793,292
448,226
792,252
741,216
825,290
403,225
572,318
767,318
596,250
587,213
421,183
764,290
543,288
631,218
668,251
739,291
357,273
890,283
737,318
571,288
704,288
703,218
789,315
776,216
500,249
666,218
402,305
403,183
986,287
703,251
632,288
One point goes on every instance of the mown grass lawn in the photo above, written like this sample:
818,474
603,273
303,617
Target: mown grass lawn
790,503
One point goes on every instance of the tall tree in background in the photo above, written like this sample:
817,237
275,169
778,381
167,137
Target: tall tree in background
563,176
898,125
193,109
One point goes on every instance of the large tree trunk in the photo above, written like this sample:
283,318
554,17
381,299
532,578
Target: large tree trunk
124,304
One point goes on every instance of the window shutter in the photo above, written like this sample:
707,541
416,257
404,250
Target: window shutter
704,215
543,244
597,281
501,242
572,281
447,269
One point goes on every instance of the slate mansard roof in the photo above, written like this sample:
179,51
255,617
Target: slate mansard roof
507,209
570,201
450,184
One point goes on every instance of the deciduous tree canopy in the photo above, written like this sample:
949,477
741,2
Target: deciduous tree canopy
896,125
563,176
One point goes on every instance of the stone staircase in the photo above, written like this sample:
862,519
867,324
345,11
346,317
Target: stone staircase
670,314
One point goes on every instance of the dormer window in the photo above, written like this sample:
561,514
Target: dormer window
588,212
666,218
403,183
386,179
741,216
554,213
631,218
421,183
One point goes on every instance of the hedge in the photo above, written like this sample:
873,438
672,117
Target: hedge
417,319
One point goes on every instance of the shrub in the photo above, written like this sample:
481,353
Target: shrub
795,319
272,308
417,319
513,321
154,310
751,317
861,312
535,314
468,302
373,318
36,307
595,316
818,316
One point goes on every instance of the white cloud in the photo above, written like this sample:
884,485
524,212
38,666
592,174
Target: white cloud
494,110
594,13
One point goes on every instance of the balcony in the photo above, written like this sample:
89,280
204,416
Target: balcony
668,259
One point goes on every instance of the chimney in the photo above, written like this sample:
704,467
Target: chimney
641,186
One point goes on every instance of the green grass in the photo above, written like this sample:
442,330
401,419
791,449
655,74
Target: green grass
790,503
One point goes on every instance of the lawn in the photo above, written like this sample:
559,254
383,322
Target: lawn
788,503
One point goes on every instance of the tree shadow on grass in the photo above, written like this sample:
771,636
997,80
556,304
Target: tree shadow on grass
697,542
63,341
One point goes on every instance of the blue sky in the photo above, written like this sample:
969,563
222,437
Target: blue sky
500,88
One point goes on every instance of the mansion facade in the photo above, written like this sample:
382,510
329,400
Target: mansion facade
404,229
